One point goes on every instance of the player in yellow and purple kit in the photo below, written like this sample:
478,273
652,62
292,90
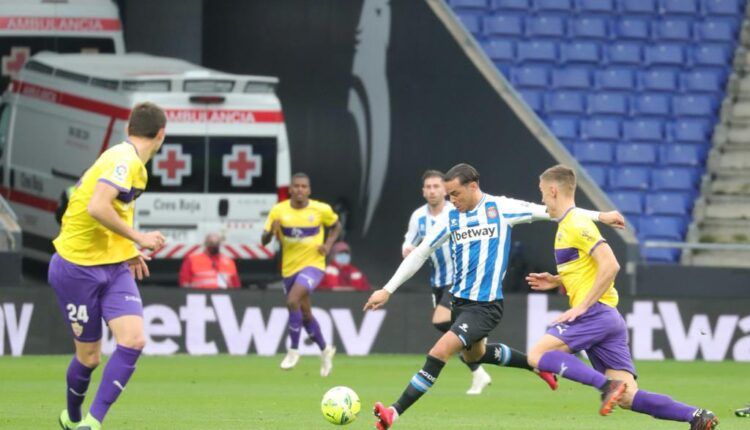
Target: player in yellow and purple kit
299,223
587,268
93,270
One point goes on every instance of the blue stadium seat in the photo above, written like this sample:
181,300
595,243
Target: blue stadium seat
629,178
563,127
596,6
660,255
665,55
530,77
678,7
469,4
628,202
651,105
533,99
676,179
502,26
593,152
580,52
646,7
722,7
545,26
571,78
673,30
564,6
589,28
500,50
615,79
690,130
663,227
643,130
511,5
625,54
537,51
658,80
715,31
598,174
600,129
471,22
633,28
678,204
683,154
711,55
633,221
607,104
693,105
635,153
708,81
564,102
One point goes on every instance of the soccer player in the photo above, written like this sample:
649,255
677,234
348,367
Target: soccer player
441,263
478,229
92,273
587,267
298,224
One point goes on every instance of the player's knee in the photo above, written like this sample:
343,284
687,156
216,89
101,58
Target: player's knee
626,401
136,341
90,359
292,304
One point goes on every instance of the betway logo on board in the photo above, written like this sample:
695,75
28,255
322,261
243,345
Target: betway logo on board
695,340
14,326
167,328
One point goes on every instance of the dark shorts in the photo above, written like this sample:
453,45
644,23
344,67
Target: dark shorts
310,277
441,296
603,334
86,294
473,321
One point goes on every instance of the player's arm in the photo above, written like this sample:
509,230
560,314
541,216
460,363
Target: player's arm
520,212
543,281
334,232
607,268
411,238
272,228
101,208
410,265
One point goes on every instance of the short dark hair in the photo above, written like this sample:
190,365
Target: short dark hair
300,175
465,173
432,173
146,119
562,175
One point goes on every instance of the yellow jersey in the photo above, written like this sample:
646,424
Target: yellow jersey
301,234
82,239
577,237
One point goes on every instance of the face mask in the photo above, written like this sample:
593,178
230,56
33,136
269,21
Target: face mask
212,250
342,259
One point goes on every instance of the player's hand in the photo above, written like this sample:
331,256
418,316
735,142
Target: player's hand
406,251
324,249
138,267
542,281
570,315
377,299
613,219
151,240
276,229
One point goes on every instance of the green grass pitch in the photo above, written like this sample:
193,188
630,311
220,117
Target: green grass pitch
226,392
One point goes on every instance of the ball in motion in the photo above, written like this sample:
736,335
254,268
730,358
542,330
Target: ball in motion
340,405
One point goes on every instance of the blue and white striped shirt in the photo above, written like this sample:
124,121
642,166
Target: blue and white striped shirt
420,224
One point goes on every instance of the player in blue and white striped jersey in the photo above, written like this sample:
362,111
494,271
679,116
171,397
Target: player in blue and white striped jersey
478,229
441,262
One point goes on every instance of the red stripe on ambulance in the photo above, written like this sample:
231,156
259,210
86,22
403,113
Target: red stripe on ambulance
49,23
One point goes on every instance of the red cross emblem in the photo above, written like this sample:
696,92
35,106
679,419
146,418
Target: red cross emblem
241,165
172,165
13,63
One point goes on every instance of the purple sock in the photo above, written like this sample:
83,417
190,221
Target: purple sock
78,379
116,375
570,367
313,329
295,326
662,407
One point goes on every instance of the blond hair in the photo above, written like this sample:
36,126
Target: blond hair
562,175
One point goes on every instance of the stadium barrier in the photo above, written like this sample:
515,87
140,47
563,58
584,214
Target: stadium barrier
252,322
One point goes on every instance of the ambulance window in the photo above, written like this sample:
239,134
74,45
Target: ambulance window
179,166
242,165
4,121
87,45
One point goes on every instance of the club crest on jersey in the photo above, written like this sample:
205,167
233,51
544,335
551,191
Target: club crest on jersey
491,212
77,328
471,234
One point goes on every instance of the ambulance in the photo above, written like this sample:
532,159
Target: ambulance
225,161
65,26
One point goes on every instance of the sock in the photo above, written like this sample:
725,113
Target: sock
419,384
313,329
472,366
295,325
442,327
570,367
500,354
116,374
662,407
78,379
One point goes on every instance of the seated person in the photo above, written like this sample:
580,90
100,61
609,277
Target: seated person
341,275
209,269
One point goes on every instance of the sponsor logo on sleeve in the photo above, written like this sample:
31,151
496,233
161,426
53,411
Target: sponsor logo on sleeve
120,172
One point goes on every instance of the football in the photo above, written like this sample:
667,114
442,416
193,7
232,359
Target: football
340,405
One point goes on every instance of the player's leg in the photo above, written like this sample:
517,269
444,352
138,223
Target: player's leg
327,352
310,278
123,310
294,294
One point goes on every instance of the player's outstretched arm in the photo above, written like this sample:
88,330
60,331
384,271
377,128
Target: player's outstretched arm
543,281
